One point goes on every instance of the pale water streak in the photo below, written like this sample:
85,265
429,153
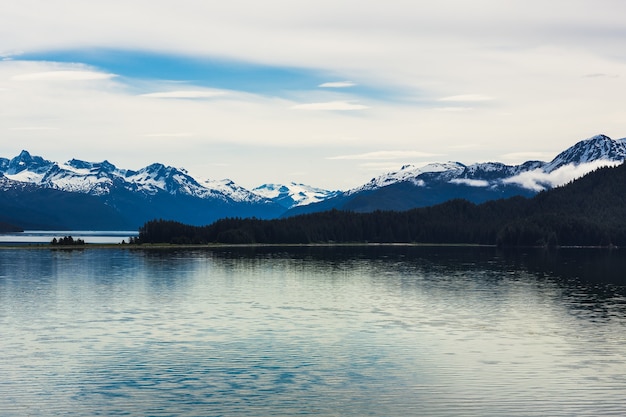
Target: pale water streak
33,237
321,332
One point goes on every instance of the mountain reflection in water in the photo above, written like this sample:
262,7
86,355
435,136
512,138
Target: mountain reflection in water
351,331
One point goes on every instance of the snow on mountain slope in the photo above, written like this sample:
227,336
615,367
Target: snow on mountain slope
575,162
158,177
100,178
232,190
104,178
597,148
292,194
411,173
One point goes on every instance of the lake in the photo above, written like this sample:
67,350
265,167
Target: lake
322,331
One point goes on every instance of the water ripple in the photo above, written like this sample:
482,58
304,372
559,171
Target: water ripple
231,334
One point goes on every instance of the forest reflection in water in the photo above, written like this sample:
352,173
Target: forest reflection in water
334,330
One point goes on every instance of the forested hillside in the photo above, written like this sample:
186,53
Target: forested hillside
9,228
589,211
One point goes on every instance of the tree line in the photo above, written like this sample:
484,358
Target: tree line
588,212
67,241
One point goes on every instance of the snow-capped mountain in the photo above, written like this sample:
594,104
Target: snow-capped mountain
412,174
156,191
293,195
597,148
35,192
101,178
413,186
585,156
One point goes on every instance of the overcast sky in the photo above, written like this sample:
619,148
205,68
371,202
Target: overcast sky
326,93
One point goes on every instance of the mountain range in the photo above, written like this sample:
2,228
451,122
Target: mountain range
412,186
589,211
36,193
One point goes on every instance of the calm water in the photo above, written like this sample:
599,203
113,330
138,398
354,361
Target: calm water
391,331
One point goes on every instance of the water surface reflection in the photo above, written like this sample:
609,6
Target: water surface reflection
366,331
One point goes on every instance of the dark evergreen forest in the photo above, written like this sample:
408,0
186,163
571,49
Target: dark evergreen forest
590,211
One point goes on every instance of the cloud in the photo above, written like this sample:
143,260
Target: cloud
185,94
467,98
379,166
63,75
538,180
526,156
529,58
28,128
600,75
385,155
169,135
454,109
337,84
470,182
331,105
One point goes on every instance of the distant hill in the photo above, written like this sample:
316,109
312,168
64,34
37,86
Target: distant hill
590,211
9,228
37,193
32,207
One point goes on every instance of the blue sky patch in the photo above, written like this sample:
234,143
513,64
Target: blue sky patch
210,72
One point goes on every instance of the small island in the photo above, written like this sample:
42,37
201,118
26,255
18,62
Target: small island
67,241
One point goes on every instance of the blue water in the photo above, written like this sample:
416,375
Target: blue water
322,332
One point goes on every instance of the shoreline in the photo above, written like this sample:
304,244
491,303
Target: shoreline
163,246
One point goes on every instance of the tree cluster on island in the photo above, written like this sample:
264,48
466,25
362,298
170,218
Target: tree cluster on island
590,211
67,241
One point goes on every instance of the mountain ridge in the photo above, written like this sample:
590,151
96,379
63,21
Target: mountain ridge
585,212
161,191
435,183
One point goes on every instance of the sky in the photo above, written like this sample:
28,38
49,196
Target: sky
325,93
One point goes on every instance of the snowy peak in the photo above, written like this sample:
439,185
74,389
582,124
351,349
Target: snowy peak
293,194
233,191
105,179
413,174
102,178
25,162
597,148
93,168
157,177
574,162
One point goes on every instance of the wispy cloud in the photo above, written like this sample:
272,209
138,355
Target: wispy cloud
454,109
539,180
526,156
427,80
63,76
27,128
331,105
385,155
467,98
185,94
464,146
600,75
470,182
379,166
169,135
337,84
